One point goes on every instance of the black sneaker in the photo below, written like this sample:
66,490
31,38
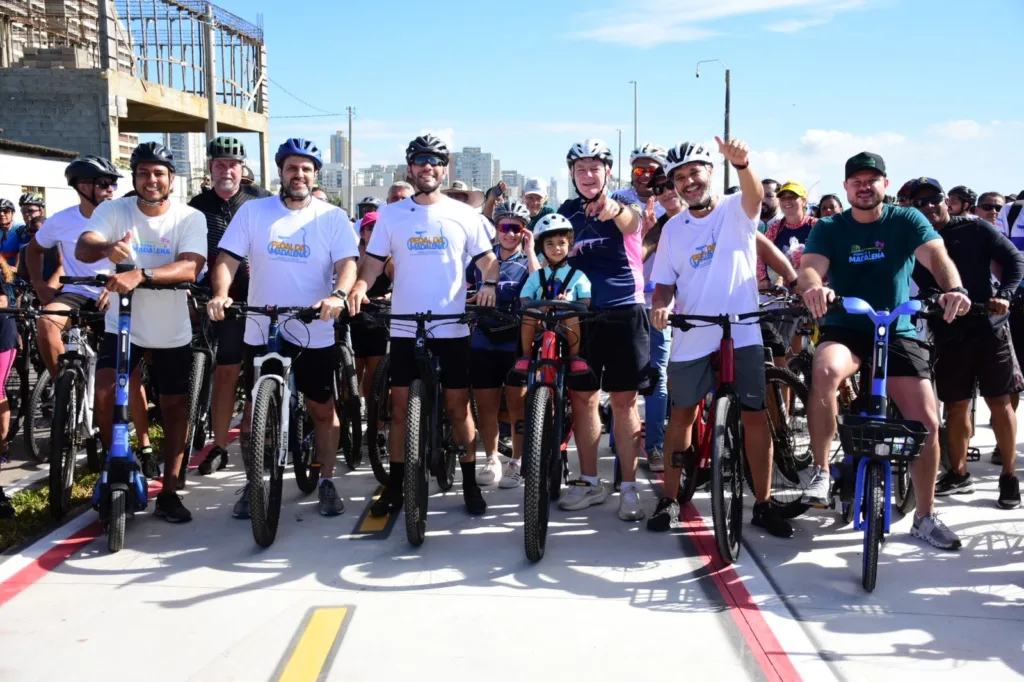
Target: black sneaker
475,503
1009,491
7,509
385,504
169,506
216,453
767,517
329,503
665,516
149,463
952,483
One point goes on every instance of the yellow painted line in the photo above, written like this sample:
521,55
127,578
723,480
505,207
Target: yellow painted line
371,523
315,644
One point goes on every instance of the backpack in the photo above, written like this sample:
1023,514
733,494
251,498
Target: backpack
550,289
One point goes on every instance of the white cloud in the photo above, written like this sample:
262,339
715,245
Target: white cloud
646,23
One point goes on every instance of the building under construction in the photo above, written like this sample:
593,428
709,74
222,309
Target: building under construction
89,75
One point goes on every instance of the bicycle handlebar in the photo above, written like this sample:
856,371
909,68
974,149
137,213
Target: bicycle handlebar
304,314
685,322
101,280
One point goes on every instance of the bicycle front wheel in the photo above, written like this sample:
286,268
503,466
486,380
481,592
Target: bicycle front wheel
874,518
266,477
63,443
39,418
349,409
727,478
791,440
537,453
195,390
378,421
417,473
303,449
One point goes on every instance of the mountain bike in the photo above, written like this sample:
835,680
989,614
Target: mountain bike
27,362
347,404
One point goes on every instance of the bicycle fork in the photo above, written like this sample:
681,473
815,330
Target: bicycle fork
858,495
285,390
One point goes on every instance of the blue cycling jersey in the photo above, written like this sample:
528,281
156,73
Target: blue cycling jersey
611,260
11,242
511,278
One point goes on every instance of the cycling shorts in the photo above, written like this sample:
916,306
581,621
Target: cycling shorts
230,335
313,369
982,357
171,368
690,380
618,351
451,352
490,369
908,357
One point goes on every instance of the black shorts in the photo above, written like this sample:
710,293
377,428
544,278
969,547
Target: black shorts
908,357
76,301
313,369
453,354
618,351
367,341
982,357
1017,326
171,367
230,335
491,368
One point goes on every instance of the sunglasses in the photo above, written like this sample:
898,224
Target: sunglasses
933,200
990,207
510,228
661,188
640,172
428,159
105,184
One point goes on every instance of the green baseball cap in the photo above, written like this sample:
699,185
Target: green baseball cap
864,161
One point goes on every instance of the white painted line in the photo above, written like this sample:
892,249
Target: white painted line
28,555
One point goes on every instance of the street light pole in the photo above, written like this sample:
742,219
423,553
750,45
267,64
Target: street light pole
635,143
619,157
727,93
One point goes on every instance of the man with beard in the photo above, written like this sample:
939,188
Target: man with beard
226,161
707,262
868,252
431,237
974,350
770,211
166,241
960,201
300,252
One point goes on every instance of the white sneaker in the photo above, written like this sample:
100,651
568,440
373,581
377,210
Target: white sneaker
513,475
816,493
581,495
489,474
629,503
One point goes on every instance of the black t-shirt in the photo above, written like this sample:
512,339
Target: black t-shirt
8,323
218,214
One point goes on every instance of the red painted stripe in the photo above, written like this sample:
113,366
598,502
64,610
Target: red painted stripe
770,656
63,550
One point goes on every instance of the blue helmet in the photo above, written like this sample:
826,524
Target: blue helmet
296,146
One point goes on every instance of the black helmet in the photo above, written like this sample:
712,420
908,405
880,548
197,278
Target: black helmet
89,168
31,199
427,144
226,147
965,194
6,205
247,174
152,152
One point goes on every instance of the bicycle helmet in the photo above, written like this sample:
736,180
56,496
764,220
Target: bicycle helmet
552,223
89,168
965,194
247,175
687,152
296,146
31,199
512,209
369,201
649,150
589,149
7,205
427,144
226,147
152,152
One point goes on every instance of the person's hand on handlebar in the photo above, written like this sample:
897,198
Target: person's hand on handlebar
216,306
357,297
125,282
817,299
998,306
331,307
103,302
659,318
487,295
954,304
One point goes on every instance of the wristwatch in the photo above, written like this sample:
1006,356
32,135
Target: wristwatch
147,274
490,283
957,290
340,293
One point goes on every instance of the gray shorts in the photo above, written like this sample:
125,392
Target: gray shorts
690,380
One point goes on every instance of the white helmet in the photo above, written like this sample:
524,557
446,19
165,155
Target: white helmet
512,209
589,149
649,150
687,152
552,223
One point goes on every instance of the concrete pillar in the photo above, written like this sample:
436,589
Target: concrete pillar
107,37
265,164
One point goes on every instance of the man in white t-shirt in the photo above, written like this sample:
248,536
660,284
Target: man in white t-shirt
165,241
301,252
707,260
431,237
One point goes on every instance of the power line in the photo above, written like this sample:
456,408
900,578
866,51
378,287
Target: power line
340,113
297,99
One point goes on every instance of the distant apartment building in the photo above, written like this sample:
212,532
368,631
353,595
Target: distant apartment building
126,144
474,167
553,198
189,151
339,148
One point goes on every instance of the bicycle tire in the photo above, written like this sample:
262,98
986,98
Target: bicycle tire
727,478
874,516
417,474
16,378
266,477
37,423
378,421
349,409
537,437
691,461
64,444
448,458
116,524
195,388
902,481
302,444
203,429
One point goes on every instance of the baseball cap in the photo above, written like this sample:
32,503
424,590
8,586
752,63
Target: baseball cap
794,187
864,161
905,189
535,186
921,183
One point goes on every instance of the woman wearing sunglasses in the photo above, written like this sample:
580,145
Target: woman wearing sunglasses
494,348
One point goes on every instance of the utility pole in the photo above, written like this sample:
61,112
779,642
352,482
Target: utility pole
210,65
351,174
635,138
727,91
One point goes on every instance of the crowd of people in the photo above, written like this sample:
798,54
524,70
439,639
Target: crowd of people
666,243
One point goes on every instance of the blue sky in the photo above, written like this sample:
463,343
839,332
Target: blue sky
932,86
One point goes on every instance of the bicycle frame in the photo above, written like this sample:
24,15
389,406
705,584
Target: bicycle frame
285,383
76,350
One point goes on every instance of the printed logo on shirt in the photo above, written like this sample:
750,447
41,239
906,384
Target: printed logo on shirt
702,256
163,248
578,246
290,249
426,244
866,254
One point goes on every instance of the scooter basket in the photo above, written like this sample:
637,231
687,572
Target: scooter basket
881,438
